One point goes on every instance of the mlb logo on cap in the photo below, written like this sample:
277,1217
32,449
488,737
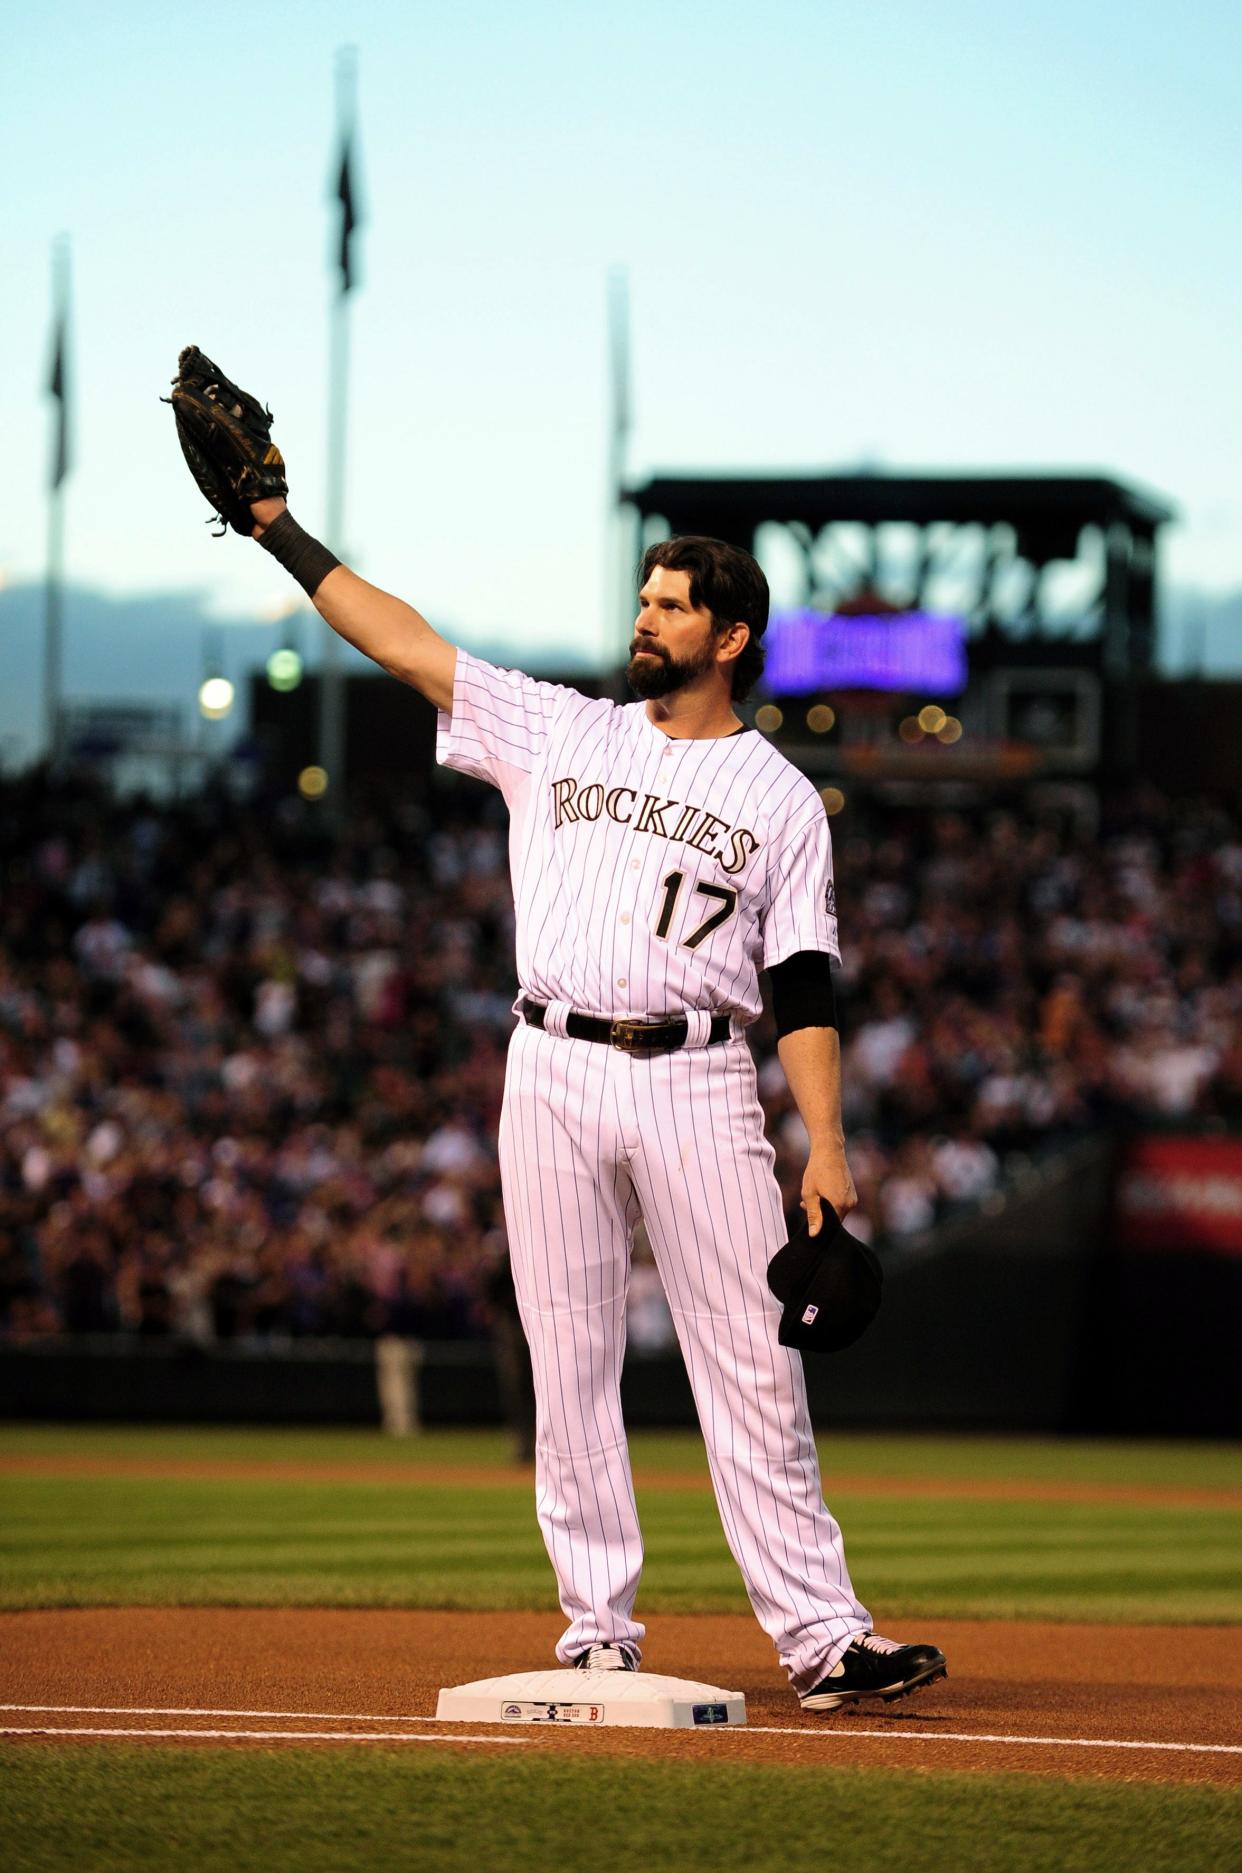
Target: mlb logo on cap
829,1286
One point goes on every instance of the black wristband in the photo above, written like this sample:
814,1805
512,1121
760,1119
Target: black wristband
300,553
803,995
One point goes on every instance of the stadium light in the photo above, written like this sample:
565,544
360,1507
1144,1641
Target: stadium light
215,698
284,670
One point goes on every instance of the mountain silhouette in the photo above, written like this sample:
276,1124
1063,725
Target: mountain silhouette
150,648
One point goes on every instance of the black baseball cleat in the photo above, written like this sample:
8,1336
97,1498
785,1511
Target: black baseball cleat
606,1658
874,1667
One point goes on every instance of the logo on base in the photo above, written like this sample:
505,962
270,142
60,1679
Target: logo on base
710,1713
551,1713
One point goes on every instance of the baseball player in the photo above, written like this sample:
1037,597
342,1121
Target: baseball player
662,854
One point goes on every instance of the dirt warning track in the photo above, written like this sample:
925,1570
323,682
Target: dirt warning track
1132,1702
487,1476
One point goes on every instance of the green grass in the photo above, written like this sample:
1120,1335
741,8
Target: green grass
202,1810
83,1540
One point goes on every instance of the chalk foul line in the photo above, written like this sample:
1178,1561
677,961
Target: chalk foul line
982,1736
825,1735
258,1736
195,1710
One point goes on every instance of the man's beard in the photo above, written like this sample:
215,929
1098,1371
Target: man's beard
659,674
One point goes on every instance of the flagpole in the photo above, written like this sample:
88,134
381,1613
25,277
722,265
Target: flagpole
53,600
619,616
52,624
331,682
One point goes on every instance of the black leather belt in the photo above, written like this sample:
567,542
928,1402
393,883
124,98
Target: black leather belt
632,1037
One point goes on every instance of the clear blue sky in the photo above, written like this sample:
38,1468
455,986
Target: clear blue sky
920,235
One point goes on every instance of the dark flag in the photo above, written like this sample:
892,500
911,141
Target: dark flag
350,219
58,387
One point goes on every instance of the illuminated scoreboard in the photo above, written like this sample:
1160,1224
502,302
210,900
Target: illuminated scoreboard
809,651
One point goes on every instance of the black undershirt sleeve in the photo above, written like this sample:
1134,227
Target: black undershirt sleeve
299,553
802,992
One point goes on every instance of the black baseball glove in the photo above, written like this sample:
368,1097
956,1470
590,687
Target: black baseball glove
226,438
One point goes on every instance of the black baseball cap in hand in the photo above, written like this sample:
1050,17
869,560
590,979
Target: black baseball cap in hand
829,1284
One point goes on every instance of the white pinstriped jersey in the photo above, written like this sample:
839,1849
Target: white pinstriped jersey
651,876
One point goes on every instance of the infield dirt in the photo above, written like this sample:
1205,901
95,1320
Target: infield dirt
1011,1681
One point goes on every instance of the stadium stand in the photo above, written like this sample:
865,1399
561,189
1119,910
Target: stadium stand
250,1069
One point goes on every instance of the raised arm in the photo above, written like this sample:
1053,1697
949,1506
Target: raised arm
226,438
383,627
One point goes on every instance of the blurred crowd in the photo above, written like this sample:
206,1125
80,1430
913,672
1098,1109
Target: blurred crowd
250,1069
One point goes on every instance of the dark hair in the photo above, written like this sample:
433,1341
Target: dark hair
726,581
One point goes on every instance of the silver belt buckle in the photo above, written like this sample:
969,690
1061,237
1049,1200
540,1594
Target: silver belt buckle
628,1036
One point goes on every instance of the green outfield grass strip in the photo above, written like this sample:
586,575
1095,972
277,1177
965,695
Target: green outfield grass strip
204,1809
82,1541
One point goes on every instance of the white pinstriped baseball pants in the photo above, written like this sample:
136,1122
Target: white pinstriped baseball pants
590,1138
